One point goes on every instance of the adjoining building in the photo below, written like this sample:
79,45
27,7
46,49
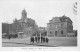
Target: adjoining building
60,27
42,31
23,27
5,28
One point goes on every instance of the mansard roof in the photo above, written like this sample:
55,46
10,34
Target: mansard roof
60,19
65,18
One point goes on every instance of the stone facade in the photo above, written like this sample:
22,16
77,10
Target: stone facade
26,26
59,27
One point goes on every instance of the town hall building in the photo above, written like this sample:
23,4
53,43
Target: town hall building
23,27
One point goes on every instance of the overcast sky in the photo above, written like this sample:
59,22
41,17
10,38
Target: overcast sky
40,10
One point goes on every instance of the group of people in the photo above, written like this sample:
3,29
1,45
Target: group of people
38,39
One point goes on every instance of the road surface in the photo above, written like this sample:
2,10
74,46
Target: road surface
53,42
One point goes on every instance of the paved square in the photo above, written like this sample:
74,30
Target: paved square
53,42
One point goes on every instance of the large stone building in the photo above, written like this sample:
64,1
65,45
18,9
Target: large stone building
23,27
60,27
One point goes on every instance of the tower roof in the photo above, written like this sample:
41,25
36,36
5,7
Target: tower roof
24,11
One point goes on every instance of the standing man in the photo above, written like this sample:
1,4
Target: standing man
47,40
38,39
41,39
32,39
44,39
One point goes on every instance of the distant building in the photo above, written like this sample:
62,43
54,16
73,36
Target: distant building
60,27
5,28
23,27
42,31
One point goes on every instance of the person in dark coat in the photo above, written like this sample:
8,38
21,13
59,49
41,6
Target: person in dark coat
38,39
47,40
41,39
32,39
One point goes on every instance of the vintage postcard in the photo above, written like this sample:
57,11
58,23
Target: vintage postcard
43,24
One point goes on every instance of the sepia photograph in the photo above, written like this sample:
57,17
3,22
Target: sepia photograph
38,23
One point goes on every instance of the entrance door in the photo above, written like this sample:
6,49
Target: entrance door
55,33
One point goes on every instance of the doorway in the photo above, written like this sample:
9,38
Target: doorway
56,33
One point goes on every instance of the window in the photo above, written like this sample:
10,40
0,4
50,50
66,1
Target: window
29,32
62,25
61,32
56,26
25,14
50,32
55,33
